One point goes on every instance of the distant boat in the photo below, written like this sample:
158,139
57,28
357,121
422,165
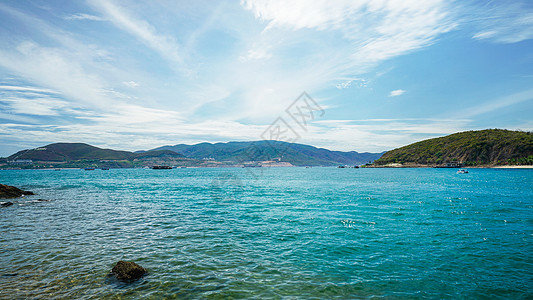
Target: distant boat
89,169
105,168
161,167
251,165
58,169
462,171
341,167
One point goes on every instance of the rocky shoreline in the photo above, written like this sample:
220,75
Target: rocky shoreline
10,192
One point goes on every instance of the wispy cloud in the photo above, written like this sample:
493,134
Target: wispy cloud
35,101
131,84
82,16
497,104
396,93
373,31
165,45
35,106
54,69
379,134
503,22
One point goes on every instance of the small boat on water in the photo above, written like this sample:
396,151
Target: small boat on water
89,169
105,168
161,167
462,171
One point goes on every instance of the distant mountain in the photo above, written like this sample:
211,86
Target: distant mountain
79,155
61,152
76,155
483,147
296,154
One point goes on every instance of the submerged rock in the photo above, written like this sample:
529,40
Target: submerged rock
128,270
7,191
6,204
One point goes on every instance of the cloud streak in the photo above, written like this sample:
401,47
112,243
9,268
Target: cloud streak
165,45
81,16
505,23
497,104
396,93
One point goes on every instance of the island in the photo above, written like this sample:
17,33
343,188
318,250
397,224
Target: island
481,148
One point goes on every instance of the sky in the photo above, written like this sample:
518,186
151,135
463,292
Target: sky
136,75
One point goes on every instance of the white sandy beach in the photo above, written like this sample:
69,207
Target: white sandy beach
513,167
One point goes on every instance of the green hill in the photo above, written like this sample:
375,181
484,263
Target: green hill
68,152
471,148
79,155
61,152
296,154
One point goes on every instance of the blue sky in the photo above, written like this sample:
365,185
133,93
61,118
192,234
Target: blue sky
134,75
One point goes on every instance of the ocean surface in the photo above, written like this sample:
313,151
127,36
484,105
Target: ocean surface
270,233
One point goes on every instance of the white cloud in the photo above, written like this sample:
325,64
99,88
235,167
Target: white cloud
344,85
365,33
16,118
165,45
505,22
257,53
55,69
302,14
133,129
376,135
35,106
82,16
26,89
131,84
396,93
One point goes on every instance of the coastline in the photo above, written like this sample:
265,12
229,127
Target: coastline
416,166
513,167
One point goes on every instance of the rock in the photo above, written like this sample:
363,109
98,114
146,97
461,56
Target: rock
127,271
6,204
7,191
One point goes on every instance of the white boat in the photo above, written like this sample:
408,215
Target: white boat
462,171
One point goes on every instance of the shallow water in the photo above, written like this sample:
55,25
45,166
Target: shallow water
270,233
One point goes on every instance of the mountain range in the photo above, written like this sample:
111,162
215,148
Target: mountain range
296,154
489,147
203,155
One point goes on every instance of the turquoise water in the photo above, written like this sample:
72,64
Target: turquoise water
270,233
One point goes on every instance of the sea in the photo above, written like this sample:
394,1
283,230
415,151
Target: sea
269,233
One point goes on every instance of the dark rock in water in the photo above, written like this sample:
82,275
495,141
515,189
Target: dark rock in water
127,271
6,204
7,191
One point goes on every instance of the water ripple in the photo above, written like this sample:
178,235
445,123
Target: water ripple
291,233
